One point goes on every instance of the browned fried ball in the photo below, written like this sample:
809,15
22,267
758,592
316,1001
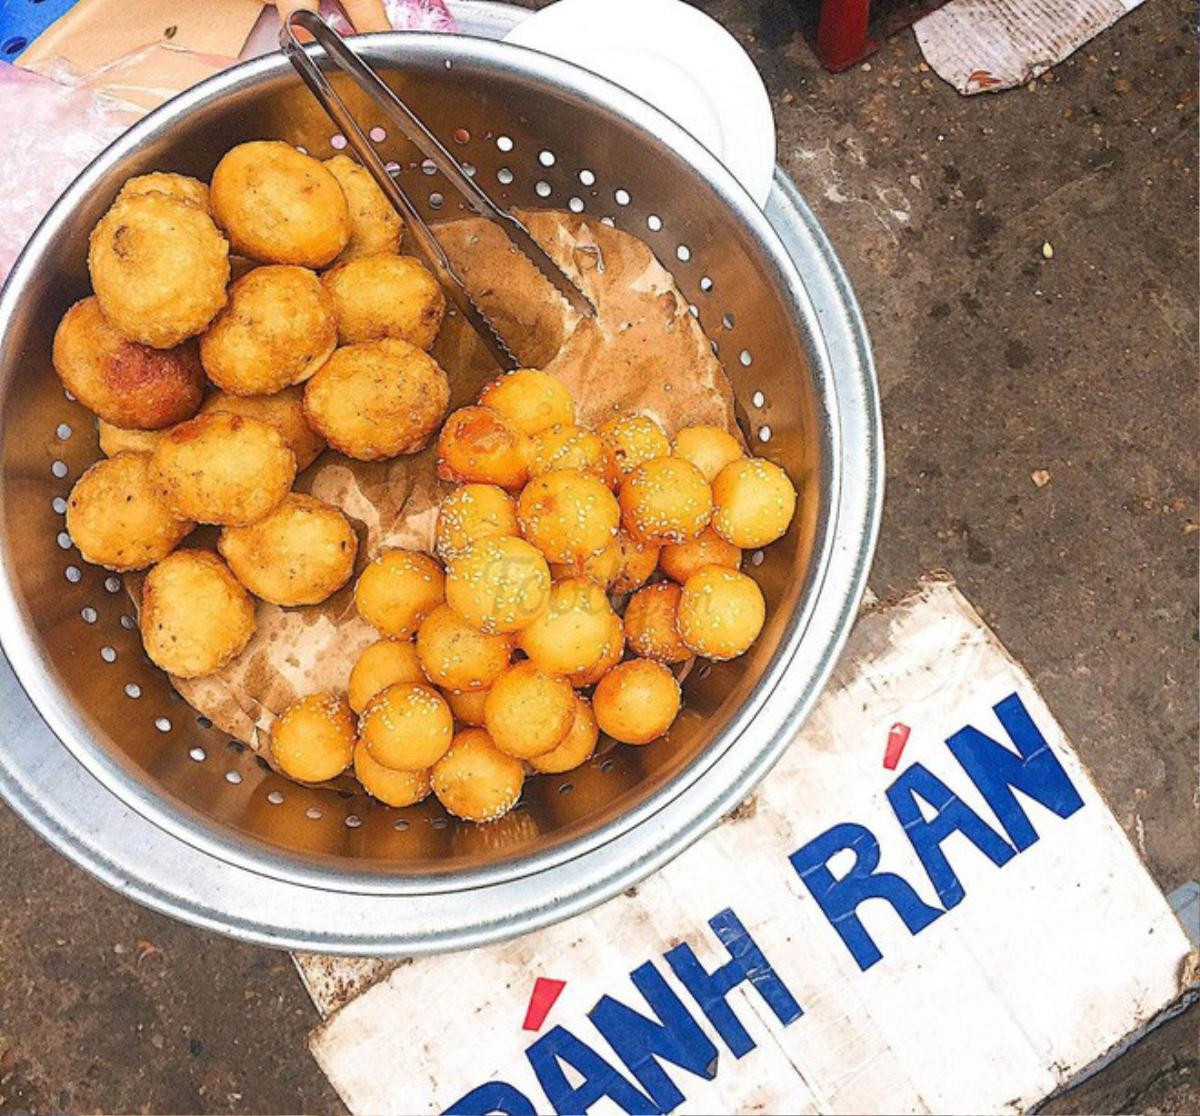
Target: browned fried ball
721,612
527,711
611,654
709,448
498,584
397,590
638,562
576,747
754,502
568,515
313,739
284,410
476,781
114,440
680,560
603,567
665,500
480,445
636,701
162,182
574,632
466,705
566,447
471,512
389,786
407,727
386,296
650,623
532,400
375,226
627,443
457,656
385,662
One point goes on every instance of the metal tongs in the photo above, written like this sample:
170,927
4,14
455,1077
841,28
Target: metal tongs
406,120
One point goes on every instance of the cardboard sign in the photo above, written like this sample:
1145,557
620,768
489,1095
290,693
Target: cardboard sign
926,907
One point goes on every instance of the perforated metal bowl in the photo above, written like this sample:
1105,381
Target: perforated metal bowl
193,823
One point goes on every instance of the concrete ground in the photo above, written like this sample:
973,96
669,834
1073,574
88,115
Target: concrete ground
994,362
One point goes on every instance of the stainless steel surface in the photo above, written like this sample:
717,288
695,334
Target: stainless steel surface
158,805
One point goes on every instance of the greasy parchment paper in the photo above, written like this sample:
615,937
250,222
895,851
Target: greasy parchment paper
643,353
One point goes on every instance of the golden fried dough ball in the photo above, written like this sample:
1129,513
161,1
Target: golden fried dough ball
530,399
384,663
481,445
720,613
472,512
456,656
498,584
378,399
195,616
565,447
574,748
118,518
476,781
301,552
175,185
313,739
638,562
709,448
397,590
222,468
527,711
568,515
129,385
627,443
680,560
754,502
610,654
386,296
278,205
665,500
407,727
389,786
636,701
603,567
284,410
650,623
375,226
574,632
466,705
114,440
277,329
159,267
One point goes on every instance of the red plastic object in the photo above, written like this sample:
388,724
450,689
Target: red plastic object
541,1000
849,30
897,738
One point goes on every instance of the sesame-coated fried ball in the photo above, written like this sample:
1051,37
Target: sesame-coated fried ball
384,663
284,410
277,329
118,518
565,447
162,182
278,205
650,623
530,399
574,632
471,512
709,448
680,560
498,584
114,440
466,705
159,267
636,701
754,501
627,443
397,590
407,727
721,612
375,226
476,781
574,748
195,615
527,711
313,739
130,385
603,567
481,445
665,500
638,562
611,654
386,296
456,656
222,468
568,515
389,786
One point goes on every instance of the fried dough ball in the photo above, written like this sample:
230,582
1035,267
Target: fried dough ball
665,500
720,613
127,384
568,515
386,296
117,517
391,787
378,399
162,182
222,468
565,447
610,654
650,623
381,665
466,705
114,440
532,400
474,511
375,226
313,739
481,445
498,584
709,448
159,267
680,560
284,410
574,632
407,727
638,562
476,781
278,205
277,329
196,617
397,590
574,748
627,443
301,552
754,502
636,701
527,711
456,656
603,567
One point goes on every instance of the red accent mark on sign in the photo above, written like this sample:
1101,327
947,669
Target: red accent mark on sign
897,738
541,1000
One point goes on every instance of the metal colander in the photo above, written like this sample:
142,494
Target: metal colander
195,823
